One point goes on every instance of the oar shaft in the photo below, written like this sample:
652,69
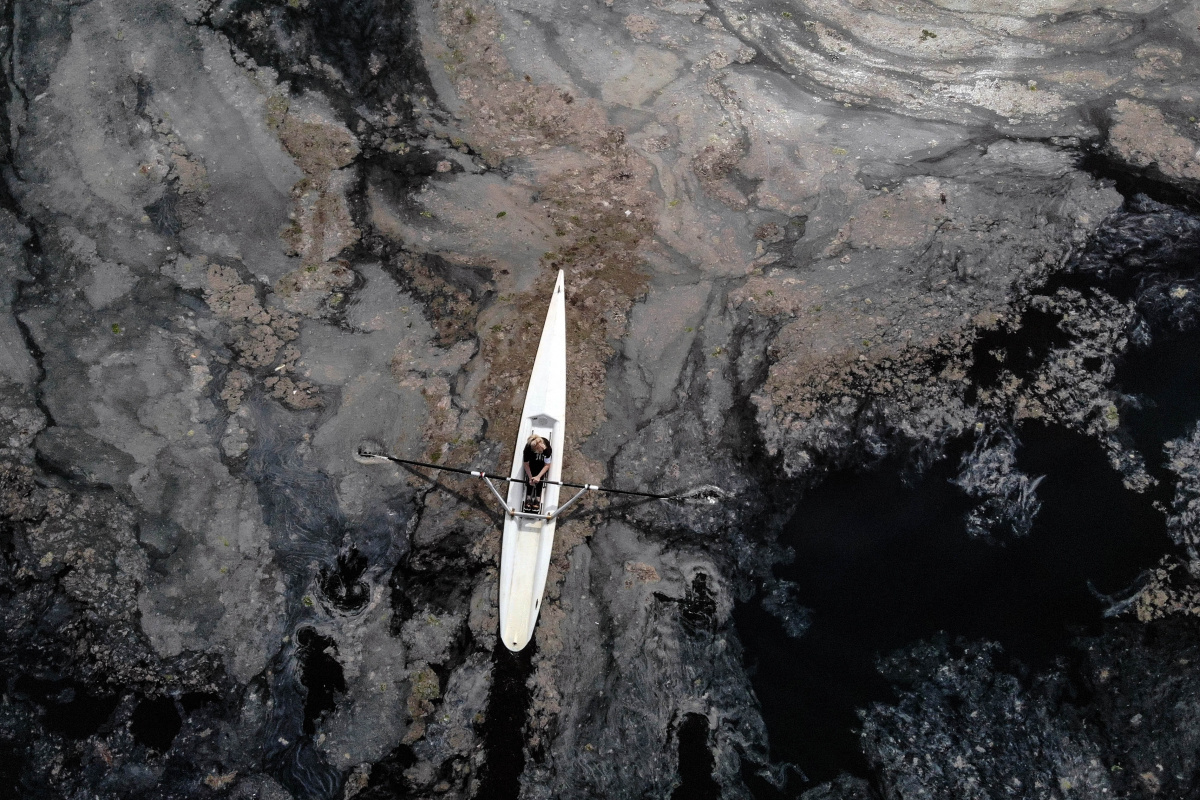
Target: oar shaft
479,474
596,488
474,472
619,491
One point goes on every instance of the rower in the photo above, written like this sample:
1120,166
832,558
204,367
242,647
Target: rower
536,457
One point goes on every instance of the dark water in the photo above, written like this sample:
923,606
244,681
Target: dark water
695,762
883,565
71,709
342,583
155,723
320,674
504,731
1150,256
1166,380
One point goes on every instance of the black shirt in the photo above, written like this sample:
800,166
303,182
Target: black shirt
537,461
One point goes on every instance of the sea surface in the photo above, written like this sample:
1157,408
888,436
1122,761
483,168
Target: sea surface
883,561
881,564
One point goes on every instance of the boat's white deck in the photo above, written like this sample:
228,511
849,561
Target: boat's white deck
527,543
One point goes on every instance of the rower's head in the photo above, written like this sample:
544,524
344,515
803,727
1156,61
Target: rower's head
537,443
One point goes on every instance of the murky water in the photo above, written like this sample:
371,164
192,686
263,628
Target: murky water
508,704
156,722
880,564
1165,379
695,761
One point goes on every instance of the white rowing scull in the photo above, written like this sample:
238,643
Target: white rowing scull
529,537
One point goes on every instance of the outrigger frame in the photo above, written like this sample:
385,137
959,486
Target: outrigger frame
508,510
513,512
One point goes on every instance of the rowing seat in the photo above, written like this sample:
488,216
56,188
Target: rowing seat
545,433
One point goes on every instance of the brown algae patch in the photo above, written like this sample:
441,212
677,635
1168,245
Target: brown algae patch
1142,136
899,220
450,309
315,288
506,115
322,226
261,336
1171,590
600,208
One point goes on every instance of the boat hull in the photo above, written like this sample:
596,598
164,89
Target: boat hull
527,543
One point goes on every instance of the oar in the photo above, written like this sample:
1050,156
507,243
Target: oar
480,474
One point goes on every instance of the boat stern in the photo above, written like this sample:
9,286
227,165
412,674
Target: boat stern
515,633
